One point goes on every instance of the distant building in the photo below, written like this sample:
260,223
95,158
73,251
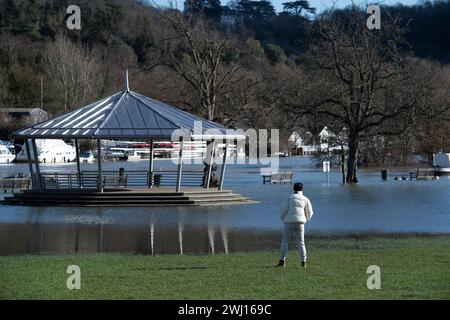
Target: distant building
325,135
229,17
303,142
300,138
33,115
295,140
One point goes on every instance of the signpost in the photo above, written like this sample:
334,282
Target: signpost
326,168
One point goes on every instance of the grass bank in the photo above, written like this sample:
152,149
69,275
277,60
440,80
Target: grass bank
411,268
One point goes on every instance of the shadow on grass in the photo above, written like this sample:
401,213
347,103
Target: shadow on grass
172,268
272,266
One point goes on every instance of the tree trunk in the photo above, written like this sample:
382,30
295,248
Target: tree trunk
353,145
343,163
210,113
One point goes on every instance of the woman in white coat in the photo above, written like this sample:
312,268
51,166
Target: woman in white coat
296,210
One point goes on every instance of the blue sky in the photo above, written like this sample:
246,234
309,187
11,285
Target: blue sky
319,4
323,4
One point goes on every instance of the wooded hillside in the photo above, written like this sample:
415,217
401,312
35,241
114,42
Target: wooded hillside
243,65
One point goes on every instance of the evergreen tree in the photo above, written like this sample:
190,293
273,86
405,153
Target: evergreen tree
298,7
209,8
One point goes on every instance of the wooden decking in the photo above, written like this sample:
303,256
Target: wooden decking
138,197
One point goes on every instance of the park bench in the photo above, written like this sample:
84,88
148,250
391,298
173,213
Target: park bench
422,174
278,177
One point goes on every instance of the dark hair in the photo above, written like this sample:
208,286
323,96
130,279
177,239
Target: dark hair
298,187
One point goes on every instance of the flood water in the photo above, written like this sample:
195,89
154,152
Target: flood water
371,207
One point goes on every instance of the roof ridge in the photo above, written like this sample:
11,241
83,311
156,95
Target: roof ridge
181,111
156,111
110,113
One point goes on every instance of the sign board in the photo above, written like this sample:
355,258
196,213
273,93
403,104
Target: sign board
326,166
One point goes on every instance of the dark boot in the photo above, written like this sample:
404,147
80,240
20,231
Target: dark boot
303,264
281,263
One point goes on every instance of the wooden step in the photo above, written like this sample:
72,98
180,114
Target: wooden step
100,197
126,198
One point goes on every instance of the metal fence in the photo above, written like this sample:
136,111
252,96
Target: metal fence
18,181
116,179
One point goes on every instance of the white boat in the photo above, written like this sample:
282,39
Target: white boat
49,151
441,164
114,154
118,153
232,151
134,156
87,156
282,154
5,155
130,154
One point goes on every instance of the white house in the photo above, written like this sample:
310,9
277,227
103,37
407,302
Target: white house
304,141
35,115
325,135
229,17
295,140
301,142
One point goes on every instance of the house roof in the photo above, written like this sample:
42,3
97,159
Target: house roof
126,114
326,132
22,110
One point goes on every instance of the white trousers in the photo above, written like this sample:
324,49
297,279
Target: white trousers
299,230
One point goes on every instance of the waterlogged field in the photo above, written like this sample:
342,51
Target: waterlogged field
372,207
400,228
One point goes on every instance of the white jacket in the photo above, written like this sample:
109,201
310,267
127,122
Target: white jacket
296,209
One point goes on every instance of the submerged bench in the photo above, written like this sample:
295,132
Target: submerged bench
278,177
422,174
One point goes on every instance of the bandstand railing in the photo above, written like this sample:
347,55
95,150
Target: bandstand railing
116,179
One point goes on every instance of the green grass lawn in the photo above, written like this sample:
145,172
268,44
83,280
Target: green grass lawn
411,268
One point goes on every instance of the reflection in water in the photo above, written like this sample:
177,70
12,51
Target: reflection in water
211,239
223,233
180,236
88,238
152,236
99,241
373,206
77,238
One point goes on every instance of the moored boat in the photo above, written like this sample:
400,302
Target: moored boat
87,156
49,151
6,156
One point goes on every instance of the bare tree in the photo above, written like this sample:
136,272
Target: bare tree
199,59
361,80
3,90
74,71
